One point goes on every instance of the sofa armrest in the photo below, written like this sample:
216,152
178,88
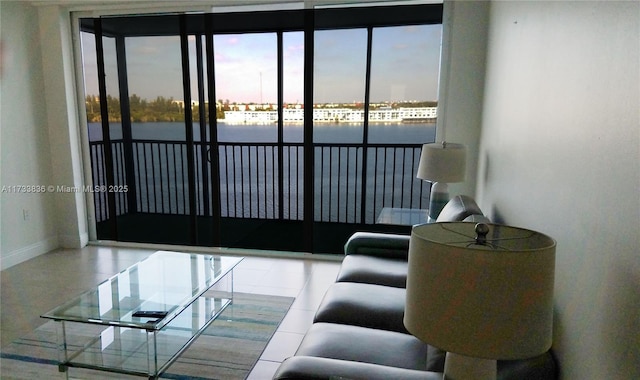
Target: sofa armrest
378,244
477,219
315,368
458,208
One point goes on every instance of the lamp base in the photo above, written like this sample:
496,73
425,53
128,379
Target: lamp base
460,367
438,199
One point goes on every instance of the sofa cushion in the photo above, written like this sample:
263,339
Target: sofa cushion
362,344
313,368
373,270
366,305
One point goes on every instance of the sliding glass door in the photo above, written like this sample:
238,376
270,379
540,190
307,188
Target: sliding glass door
274,130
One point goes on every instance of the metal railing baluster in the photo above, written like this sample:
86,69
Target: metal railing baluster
226,161
175,178
168,179
249,183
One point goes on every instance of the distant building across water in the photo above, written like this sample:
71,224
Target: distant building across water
335,115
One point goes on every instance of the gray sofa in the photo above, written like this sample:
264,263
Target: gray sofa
358,331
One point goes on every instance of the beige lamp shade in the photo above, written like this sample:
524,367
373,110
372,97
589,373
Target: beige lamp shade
442,162
490,297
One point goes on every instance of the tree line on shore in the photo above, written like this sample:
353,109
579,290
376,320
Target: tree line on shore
160,109
163,109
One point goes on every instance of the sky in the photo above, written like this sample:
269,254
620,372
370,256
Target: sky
405,65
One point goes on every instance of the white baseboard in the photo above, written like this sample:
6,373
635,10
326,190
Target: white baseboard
29,252
219,250
74,241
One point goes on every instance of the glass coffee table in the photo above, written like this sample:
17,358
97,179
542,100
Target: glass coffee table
139,321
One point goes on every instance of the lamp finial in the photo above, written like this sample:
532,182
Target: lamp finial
482,229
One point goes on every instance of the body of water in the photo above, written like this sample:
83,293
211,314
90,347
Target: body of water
396,133
249,175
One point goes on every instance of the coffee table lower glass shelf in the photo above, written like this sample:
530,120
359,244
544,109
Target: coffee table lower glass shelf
101,329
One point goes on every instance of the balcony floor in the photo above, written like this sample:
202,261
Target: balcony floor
266,234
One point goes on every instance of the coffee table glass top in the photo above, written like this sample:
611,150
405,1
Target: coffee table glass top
164,282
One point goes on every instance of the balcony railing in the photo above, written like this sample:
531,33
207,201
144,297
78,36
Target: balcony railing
252,184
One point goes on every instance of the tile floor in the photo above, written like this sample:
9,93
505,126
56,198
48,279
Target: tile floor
34,287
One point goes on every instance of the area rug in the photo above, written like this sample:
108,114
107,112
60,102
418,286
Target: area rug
227,350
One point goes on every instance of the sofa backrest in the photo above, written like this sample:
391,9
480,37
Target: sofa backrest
459,208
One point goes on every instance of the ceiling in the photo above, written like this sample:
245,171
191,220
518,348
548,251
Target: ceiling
215,4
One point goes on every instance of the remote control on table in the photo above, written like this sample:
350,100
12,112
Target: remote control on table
150,314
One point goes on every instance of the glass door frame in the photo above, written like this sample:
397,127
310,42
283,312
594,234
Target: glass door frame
308,21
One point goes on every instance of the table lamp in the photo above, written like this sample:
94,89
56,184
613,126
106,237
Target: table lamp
481,292
441,163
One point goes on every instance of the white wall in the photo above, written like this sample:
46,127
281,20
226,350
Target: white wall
560,153
27,223
461,87
63,124
39,138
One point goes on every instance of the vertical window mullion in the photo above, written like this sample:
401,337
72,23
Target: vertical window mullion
188,120
214,147
106,137
309,166
281,127
365,136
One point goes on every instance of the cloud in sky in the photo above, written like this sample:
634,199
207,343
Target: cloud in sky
405,65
